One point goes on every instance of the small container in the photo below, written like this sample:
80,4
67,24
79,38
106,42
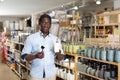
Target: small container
103,54
97,54
66,62
71,63
93,52
110,54
89,52
75,48
70,48
117,56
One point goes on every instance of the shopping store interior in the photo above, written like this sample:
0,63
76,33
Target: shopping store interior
89,31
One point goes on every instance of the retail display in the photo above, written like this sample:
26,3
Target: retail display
14,60
97,58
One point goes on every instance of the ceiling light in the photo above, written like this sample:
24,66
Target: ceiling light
1,0
53,12
76,8
98,2
62,6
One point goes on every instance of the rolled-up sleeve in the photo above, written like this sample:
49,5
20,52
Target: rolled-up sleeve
27,48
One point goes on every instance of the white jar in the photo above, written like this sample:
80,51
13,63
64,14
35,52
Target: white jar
66,62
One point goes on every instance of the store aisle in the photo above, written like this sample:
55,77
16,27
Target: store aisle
6,73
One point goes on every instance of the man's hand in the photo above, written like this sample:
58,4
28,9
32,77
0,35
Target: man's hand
59,55
40,55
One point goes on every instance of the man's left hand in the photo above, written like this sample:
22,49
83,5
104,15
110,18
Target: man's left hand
59,55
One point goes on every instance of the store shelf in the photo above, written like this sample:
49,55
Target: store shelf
110,13
110,24
89,75
64,66
108,62
16,72
71,54
101,35
17,51
11,50
16,48
10,56
16,42
23,65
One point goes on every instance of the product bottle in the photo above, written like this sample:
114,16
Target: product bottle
97,72
101,73
72,63
68,75
107,72
113,71
65,74
72,76
56,46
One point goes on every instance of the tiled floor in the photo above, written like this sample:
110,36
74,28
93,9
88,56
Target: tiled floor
6,73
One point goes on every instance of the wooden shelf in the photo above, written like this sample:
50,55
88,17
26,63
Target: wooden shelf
9,55
110,13
89,75
16,42
110,24
11,50
14,71
101,35
64,66
19,43
23,65
71,54
17,51
17,73
60,77
108,62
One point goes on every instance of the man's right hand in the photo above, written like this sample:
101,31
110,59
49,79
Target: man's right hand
40,55
30,57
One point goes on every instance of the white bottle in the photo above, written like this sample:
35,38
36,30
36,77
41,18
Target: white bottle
71,63
56,46
57,70
66,62
68,75
62,73
72,76
65,74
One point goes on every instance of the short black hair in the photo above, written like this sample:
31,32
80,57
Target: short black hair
44,16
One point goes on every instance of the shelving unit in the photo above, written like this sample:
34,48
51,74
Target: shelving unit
71,25
76,56
110,19
102,61
89,75
107,30
15,48
101,30
86,74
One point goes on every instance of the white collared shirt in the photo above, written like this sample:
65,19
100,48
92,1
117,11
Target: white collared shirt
33,45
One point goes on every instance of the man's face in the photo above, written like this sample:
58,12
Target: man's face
45,25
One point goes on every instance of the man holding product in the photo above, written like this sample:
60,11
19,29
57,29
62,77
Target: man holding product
41,48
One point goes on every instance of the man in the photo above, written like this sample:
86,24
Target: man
39,49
